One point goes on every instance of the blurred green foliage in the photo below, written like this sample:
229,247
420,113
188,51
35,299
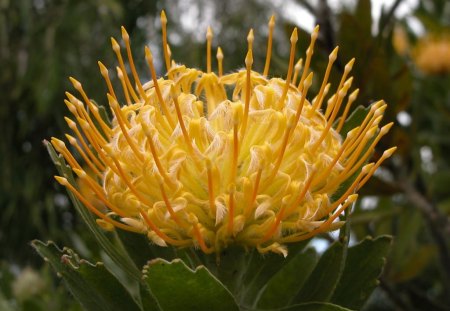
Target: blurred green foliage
42,42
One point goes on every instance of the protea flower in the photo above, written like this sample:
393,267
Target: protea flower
432,54
205,159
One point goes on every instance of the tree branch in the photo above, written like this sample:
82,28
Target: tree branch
438,225
384,20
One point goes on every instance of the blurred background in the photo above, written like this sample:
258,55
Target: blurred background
402,50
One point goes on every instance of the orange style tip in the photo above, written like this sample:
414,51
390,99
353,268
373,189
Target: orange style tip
348,82
70,106
350,64
315,33
111,99
352,198
352,132
148,54
308,81
209,33
72,99
375,106
115,45
371,132
119,72
294,36
378,120
70,122
57,142
366,168
219,53
250,36
353,95
103,68
386,128
333,55
75,83
125,35
272,21
84,124
80,173
163,17
71,139
380,111
389,152
78,103
63,181
378,104
299,64
343,92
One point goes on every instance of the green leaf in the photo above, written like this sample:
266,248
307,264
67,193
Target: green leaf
288,281
363,15
141,250
229,267
148,301
92,285
260,269
409,225
364,264
137,246
323,280
315,306
177,287
353,120
116,253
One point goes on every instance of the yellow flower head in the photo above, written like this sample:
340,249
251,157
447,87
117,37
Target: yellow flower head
432,54
207,160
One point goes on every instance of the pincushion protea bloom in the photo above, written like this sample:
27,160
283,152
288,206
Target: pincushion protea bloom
432,54
187,164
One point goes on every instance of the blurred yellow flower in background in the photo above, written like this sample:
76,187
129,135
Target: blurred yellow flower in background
206,159
432,54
